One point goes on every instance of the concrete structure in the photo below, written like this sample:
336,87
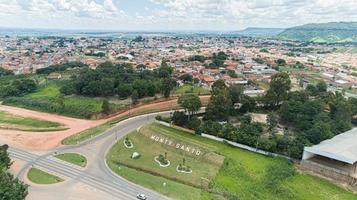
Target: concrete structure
335,158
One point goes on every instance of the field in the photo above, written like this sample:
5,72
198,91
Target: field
47,99
14,122
73,158
243,175
185,89
40,177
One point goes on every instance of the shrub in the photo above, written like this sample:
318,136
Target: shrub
162,160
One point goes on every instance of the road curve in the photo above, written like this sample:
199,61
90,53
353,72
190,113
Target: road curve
96,174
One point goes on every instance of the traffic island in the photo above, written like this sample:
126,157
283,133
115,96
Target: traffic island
73,158
40,177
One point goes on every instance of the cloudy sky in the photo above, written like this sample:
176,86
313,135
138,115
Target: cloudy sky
151,15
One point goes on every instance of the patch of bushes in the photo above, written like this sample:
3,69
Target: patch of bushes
162,159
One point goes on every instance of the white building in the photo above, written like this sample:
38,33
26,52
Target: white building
335,158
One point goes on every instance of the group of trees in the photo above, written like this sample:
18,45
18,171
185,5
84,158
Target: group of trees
217,60
61,67
10,188
312,115
5,72
17,86
199,58
122,80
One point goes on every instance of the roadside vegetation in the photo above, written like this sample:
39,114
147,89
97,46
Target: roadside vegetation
295,119
10,121
97,130
10,187
40,177
73,158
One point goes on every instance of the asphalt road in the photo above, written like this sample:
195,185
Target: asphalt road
96,174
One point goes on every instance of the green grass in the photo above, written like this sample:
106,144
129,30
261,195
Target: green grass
46,99
241,176
172,189
206,165
73,158
97,130
191,89
10,121
40,177
86,134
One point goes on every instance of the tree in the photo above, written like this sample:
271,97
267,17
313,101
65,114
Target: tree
134,97
236,93
321,87
191,103
341,113
124,90
60,102
319,132
187,78
105,107
232,73
167,85
220,104
10,188
5,72
279,86
248,104
311,90
179,118
272,120
165,70
280,62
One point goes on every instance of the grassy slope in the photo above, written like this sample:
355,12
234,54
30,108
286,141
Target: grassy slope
13,119
27,124
40,177
47,97
241,176
206,165
172,189
73,158
192,89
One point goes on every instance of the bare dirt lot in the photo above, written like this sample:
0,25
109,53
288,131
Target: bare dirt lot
42,141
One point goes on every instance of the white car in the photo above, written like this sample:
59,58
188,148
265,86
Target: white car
141,196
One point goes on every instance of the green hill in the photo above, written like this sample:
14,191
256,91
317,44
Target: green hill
333,32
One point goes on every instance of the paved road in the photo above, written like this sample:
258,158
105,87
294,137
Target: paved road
96,174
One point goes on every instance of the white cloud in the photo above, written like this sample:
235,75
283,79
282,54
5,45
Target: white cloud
174,14
258,12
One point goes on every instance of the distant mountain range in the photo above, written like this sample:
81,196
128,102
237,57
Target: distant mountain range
333,32
260,32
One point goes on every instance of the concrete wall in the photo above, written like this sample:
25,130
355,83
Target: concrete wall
243,146
326,171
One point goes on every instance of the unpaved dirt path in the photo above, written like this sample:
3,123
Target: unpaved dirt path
42,140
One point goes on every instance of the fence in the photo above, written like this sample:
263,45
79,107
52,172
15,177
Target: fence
246,147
